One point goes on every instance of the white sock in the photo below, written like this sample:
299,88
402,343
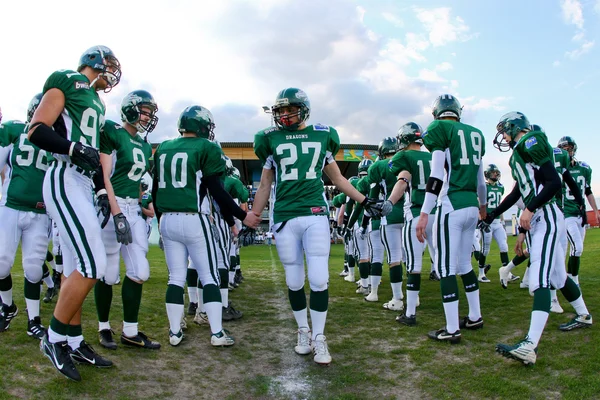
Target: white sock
375,281
214,312
225,297
397,291
74,341
33,308
510,266
411,302
575,279
103,325
526,276
301,318
351,269
474,306
451,311
553,295
130,329
481,272
175,314
579,306
536,326
7,297
59,268
193,294
201,300
364,282
54,337
49,282
318,319
231,276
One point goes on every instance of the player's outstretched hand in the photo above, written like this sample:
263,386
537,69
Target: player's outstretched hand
252,220
422,227
373,208
103,208
85,157
122,229
583,214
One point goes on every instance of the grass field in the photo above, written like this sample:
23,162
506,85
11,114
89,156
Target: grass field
373,356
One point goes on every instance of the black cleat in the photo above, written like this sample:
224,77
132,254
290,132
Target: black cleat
406,320
56,278
486,268
140,340
7,314
50,293
192,307
59,354
442,335
433,276
466,323
230,313
35,328
86,354
106,339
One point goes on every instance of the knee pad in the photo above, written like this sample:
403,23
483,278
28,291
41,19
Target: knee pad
33,271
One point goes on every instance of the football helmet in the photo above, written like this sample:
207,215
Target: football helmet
388,146
131,110
511,124
568,143
144,186
536,128
411,132
198,120
490,170
446,105
101,58
33,105
291,97
228,165
363,167
236,173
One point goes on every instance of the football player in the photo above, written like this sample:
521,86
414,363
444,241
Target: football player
147,207
72,106
495,191
187,170
24,218
457,148
125,158
537,181
575,219
337,202
412,167
295,155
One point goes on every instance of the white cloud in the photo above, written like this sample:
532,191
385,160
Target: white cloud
406,53
579,36
572,12
445,66
597,6
583,49
556,63
442,28
392,19
495,103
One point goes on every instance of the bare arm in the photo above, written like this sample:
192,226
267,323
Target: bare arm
149,212
49,110
340,220
400,186
264,190
106,162
333,172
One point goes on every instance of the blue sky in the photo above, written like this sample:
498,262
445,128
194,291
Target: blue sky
367,66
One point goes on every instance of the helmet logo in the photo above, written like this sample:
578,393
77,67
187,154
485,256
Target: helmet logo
301,95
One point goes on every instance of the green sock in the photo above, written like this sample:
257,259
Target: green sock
318,300
476,254
482,260
224,277
449,286
470,281
518,260
574,263
297,299
6,284
32,290
504,259
413,282
571,291
174,295
541,300
364,268
131,293
192,277
59,327
210,294
396,274
376,269
351,261
103,294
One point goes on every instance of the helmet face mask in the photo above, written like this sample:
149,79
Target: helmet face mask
291,109
411,132
492,173
197,120
33,105
510,125
446,105
363,167
139,109
568,144
101,58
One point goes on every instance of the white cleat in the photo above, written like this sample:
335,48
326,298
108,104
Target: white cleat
513,278
362,290
524,285
201,318
504,276
394,305
349,278
372,297
555,307
221,339
320,350
344,273
175,338
303,347
483,279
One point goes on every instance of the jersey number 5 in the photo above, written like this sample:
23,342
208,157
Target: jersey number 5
291,174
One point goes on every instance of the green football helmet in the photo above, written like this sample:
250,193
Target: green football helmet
236,173
101,58
490,170
363,167
228,165
198,120
291,97
536,128
411,132
33,105
136,104
446,105
568,143
510,124
387,147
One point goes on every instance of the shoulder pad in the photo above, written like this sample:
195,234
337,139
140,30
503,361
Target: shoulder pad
320,127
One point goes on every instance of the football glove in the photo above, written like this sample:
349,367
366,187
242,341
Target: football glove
373,208
103,208
161,244
483,226
215,232
583,214
85,157
122,229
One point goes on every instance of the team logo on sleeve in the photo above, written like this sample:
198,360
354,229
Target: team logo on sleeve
320,127
82,85
529,143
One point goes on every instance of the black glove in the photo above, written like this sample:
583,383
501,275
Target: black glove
483,226
348,232
161,245
122,229
583,214
85,157
373,208
103,208
340,231
489,218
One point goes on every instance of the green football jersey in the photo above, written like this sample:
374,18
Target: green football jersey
131,159
530,152
464,147
82,118
27,165
495,191
418,164
298,158
561,162
382,183
146,200
236,189
339,200
582,174
180,165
